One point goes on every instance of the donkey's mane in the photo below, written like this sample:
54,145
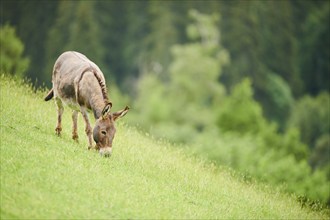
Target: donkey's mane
97,76
103,87
100,81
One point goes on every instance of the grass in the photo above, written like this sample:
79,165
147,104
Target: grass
45,177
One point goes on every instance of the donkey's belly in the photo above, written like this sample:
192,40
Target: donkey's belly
71,103
67,94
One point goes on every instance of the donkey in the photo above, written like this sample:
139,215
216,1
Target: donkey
80,84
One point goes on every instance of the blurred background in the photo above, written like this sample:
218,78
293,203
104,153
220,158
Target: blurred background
244,84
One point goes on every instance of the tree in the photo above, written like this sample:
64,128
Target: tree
75,28
186,100
240,112
31,20
314,48
196,69
59,35
161,39
84,34
12,48
311,116
263,47
110,17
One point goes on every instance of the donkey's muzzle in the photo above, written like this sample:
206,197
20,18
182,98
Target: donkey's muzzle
106,152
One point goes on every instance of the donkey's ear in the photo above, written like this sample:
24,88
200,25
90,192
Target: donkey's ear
119,114
106,110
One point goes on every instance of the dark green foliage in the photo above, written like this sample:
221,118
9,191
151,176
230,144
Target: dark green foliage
32,20
191,94
279,100
11,61
58,35
129,36
314,48
320,155
240,112
85,33
311,116
112,32
75,29
133,55
265,50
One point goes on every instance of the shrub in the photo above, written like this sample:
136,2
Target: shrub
11,52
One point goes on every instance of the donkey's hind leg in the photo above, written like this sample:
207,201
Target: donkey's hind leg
60,110
74,126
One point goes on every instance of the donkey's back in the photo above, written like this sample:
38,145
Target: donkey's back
72,63
67,72
74,75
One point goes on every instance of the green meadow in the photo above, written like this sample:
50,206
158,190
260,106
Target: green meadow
48,177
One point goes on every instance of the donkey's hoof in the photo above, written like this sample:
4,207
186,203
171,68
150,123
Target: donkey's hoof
75,138
58,131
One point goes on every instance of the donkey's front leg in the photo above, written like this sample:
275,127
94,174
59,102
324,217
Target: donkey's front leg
88,128
60,110
74,126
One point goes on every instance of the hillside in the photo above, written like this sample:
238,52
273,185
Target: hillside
44,176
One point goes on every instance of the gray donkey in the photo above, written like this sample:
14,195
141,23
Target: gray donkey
80,84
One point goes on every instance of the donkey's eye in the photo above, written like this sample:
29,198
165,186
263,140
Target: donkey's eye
104,132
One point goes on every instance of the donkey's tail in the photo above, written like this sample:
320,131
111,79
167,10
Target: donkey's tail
49,95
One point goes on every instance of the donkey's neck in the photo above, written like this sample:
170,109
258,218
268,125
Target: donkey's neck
97,105
91,93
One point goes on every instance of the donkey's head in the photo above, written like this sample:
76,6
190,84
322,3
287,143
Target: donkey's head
104,130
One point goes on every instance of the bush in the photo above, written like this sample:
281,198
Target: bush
240,112
249,143
11,52
278,100
311,116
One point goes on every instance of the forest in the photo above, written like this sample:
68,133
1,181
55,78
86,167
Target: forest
242,83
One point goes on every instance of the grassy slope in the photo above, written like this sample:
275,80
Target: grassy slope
43,176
